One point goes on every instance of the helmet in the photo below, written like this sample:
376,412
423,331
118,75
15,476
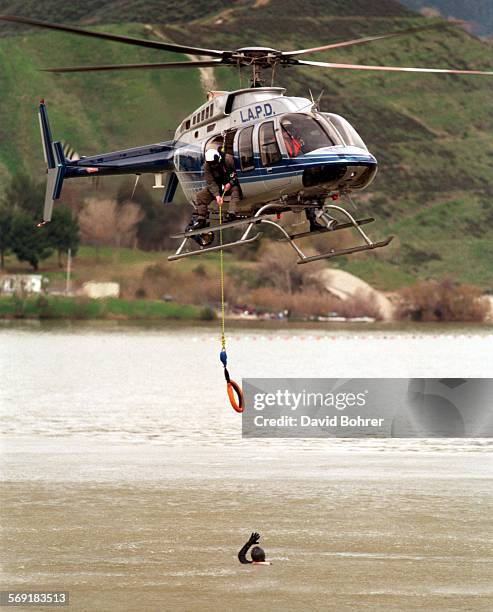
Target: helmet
212,155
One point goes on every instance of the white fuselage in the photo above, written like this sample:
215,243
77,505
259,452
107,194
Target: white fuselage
258,126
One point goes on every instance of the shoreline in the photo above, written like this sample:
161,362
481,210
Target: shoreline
76,308
252,327
42,308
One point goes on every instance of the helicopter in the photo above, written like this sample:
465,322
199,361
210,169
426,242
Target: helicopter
287,154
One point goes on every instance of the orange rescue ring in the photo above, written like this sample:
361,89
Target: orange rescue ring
236,402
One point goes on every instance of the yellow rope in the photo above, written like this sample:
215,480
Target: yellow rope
221,262
232,387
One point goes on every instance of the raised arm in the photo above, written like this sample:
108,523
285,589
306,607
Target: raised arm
254,539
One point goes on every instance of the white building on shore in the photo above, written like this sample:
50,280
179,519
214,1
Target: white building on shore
21,283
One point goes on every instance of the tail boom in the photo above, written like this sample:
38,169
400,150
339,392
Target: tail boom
154,158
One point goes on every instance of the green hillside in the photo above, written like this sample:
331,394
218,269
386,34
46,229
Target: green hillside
478,14
94,113
431,134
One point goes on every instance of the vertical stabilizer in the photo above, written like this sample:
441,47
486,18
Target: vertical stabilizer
46,139
55,162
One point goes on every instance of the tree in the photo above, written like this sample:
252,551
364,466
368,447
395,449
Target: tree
28,242
23,201
106,222
19,213
157,219
6,215
63,232
25,193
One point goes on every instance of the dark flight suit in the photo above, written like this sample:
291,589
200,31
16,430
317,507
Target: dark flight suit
215,176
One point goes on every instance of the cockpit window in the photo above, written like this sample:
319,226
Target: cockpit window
346,130
302,134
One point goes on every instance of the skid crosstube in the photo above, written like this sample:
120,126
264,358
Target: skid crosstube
218,247
357,249
224,226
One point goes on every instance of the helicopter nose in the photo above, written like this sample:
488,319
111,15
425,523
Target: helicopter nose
348,154
343,169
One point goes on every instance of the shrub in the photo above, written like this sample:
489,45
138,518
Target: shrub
19,306
278,268
312,303
186,287
44,308
207,314
200,271
441,301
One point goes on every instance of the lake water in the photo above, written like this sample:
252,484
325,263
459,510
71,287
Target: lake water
126,480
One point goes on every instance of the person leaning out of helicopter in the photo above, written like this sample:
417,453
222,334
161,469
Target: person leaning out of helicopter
219,181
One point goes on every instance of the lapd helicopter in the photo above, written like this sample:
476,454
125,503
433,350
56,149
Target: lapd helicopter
288,155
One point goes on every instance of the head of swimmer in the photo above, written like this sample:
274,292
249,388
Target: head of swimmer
258,554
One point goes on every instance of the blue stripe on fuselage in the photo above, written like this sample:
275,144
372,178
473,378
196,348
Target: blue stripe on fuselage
287,167
297,165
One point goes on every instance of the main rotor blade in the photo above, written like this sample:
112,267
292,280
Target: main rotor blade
391,68
366,39
139,42
197,64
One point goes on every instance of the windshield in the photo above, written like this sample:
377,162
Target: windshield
346,130
302,134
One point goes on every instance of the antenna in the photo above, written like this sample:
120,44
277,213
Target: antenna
316,103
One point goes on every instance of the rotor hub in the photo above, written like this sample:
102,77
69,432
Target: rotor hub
261,57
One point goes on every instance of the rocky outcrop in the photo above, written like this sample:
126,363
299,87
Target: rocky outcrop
345,286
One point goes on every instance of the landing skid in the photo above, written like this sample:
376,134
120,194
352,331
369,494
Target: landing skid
357,249
180,255
262,216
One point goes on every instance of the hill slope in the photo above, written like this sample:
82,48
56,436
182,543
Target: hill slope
431,134
479,14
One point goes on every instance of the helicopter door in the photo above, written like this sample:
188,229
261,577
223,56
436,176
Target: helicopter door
229,138
272,170
245,161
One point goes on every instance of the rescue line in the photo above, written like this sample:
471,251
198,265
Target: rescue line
235,393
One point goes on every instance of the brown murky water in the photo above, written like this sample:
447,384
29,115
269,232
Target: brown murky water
122,488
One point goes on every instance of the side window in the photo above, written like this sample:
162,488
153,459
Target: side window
269,149
229,159
245,147
229,138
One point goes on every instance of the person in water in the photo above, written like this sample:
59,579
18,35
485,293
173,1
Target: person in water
257,554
